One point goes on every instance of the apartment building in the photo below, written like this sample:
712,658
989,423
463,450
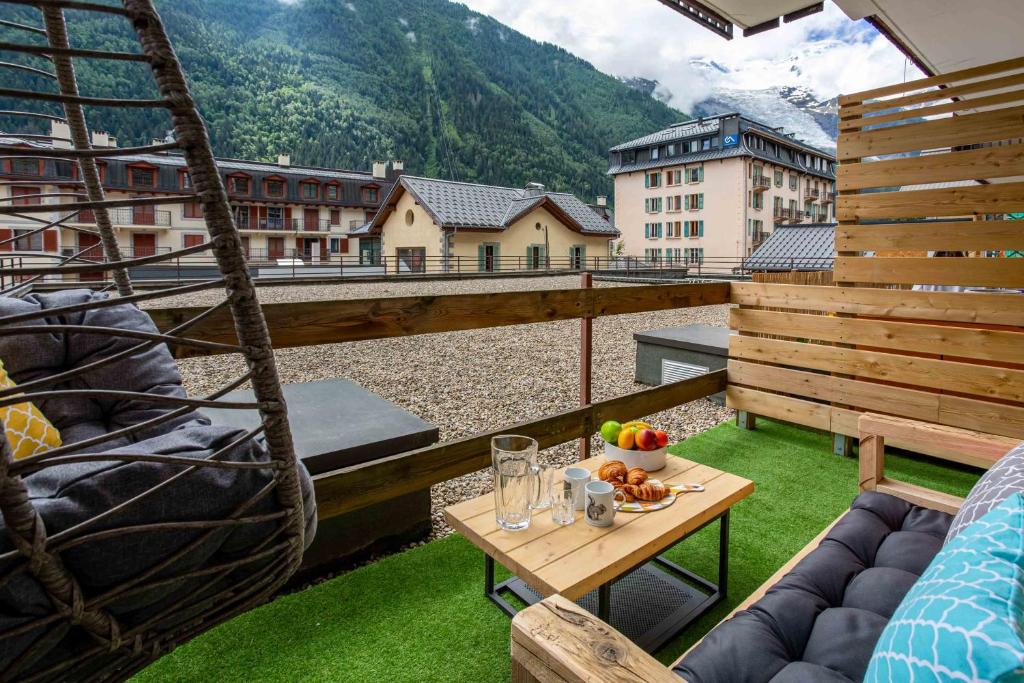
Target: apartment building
714,187
282,210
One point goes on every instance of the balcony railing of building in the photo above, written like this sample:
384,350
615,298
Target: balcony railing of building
299,264
812,194
139,215
761,183
287,224
828,197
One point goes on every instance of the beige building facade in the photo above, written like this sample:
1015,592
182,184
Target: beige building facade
436,225
713,189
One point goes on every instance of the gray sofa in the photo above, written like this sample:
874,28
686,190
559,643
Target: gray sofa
69,495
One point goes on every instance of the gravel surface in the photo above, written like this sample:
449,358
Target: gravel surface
472,381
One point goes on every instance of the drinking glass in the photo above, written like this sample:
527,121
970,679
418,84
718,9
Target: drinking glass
545,476
563,505
513,459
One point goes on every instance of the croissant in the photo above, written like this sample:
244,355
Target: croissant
613,469
636,476
651,491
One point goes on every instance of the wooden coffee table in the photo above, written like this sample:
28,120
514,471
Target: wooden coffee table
653,598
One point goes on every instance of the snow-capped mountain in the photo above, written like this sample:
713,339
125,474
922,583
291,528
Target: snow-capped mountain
792,107
796,109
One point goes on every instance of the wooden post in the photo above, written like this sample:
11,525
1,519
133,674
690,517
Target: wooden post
586,365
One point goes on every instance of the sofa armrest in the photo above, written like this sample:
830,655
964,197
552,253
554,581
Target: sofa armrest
948,443
558,641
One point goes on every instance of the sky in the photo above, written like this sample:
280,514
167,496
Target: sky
825,52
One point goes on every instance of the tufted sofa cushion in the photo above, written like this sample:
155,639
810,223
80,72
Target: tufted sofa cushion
32,356
821,621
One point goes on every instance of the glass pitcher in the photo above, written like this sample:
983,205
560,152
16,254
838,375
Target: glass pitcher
515,480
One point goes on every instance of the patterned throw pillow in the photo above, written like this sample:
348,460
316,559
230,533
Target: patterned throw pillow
963,620
1003,479
27,430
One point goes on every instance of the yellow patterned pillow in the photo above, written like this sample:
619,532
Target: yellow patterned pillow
27,430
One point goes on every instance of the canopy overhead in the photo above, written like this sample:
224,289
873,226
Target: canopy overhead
939,36
946,35
720,16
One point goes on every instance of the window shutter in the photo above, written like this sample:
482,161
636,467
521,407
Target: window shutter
700,228
686,228
583,255
496,250
686,202
481,257
647,230
543,256
647,179
700,174
700,201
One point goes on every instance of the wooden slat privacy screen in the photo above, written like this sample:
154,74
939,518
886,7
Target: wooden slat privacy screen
938,177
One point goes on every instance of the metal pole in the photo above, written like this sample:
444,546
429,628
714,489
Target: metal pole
586,367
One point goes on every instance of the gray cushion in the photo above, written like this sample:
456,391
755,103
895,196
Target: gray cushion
821,621
70,494
31,356
1004,478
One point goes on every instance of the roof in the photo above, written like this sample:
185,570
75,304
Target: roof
801,246
455,205
677,131
711,125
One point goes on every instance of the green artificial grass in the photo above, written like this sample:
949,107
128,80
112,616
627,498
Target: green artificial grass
421,615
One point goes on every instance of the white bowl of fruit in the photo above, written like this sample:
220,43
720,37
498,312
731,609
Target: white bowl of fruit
636,444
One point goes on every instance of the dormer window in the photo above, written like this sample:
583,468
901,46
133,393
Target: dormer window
371,195
238,185
309,190
141,176
629,156
654,153
274,187
331,192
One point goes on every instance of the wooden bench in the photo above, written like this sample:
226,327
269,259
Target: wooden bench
557,641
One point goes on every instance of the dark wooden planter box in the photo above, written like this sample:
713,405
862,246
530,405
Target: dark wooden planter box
337,423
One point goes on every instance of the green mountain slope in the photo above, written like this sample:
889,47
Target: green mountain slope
342,82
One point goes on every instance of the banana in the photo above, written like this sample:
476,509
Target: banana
636,423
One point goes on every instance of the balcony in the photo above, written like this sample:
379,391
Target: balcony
828,197
140,216
761,183
812,194
287,224
796,215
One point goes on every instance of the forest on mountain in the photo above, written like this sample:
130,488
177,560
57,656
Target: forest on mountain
339,83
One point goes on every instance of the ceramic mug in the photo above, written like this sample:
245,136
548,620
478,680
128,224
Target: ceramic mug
601,499
577,478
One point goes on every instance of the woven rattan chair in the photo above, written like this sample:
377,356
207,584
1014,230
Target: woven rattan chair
106,647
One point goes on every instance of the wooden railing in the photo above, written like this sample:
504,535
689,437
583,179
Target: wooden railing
330,322
824,355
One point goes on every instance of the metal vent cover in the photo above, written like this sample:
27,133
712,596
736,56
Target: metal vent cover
673,371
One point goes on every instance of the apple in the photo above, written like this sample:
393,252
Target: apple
662,437
646,440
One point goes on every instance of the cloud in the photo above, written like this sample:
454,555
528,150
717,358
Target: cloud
825,53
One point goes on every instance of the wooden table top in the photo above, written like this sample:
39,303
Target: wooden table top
575,559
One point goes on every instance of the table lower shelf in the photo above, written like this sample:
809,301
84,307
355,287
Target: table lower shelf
650,605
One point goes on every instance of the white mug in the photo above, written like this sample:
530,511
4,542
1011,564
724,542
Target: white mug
601,499
577,478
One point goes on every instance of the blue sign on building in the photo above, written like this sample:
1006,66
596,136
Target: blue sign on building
731,140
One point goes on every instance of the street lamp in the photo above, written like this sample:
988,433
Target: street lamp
547,250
